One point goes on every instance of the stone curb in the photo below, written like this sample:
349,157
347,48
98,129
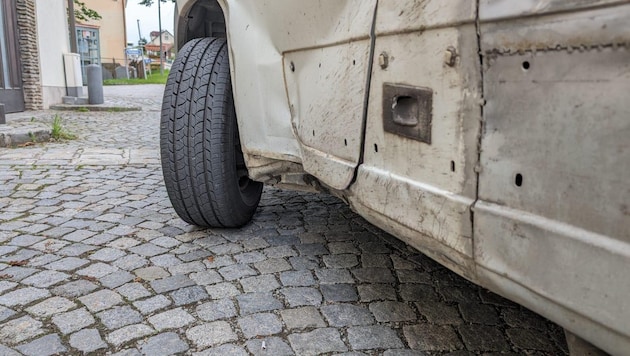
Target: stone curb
14,139
108,108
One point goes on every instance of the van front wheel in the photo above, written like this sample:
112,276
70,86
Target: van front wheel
202,162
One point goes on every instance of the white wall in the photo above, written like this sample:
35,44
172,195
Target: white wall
53,42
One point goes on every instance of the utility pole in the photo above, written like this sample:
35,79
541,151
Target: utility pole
161,49
73,27
139,34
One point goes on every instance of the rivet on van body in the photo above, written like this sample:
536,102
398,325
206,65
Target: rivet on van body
383,60
450,56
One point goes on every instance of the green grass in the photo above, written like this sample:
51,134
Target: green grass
59,132
154,78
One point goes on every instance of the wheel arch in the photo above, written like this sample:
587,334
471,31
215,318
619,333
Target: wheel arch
197,19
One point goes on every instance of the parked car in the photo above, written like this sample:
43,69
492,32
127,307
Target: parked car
492,135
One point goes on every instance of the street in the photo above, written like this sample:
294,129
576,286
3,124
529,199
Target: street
93,259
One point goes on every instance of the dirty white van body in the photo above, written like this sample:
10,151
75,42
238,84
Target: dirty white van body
492,135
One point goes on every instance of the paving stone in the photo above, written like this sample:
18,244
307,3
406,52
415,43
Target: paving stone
342,315
440,313
166,260
151,273
426,337
18,273
374,247
340,261
50,245
148,306
5,351
222,290
101,300
262,324
186,268
225,349
373,337
376,260
25,240
210,334
131,262
79,235
167,343
459,294
206,277
221,309
171,283
23,296
302,278
401,352
280,251
333,276
74,320
6,313
255,244
337,248
6,285
188,295
272,265
339,292
249,257
282,240
43,346
374,292
107,254
75,288
311,249
17,330
264,283
236,271
45,279
418,292
148,250
374,275
302,318
133,291
317,342
123,243
412,276
87,340
171,319
51,306
272,346
525,339
42,260
128,333
116,279
523,318
304,262
300,296
117,317
97,270
479,313
251,303
76,249
392,311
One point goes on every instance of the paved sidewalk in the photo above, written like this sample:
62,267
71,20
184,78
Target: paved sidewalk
94,260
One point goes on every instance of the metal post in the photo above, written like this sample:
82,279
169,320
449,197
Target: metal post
161,49
73,27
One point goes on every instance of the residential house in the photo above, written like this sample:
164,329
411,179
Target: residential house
103,41
34,42
168,45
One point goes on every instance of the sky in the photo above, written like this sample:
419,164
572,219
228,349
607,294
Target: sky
148,17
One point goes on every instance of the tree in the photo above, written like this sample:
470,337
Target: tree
150,2
83,13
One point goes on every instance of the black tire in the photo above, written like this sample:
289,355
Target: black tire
203,166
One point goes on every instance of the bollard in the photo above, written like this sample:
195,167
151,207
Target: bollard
95,84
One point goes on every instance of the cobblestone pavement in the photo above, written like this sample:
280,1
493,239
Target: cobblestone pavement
94,259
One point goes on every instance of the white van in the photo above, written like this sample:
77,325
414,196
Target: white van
492,135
